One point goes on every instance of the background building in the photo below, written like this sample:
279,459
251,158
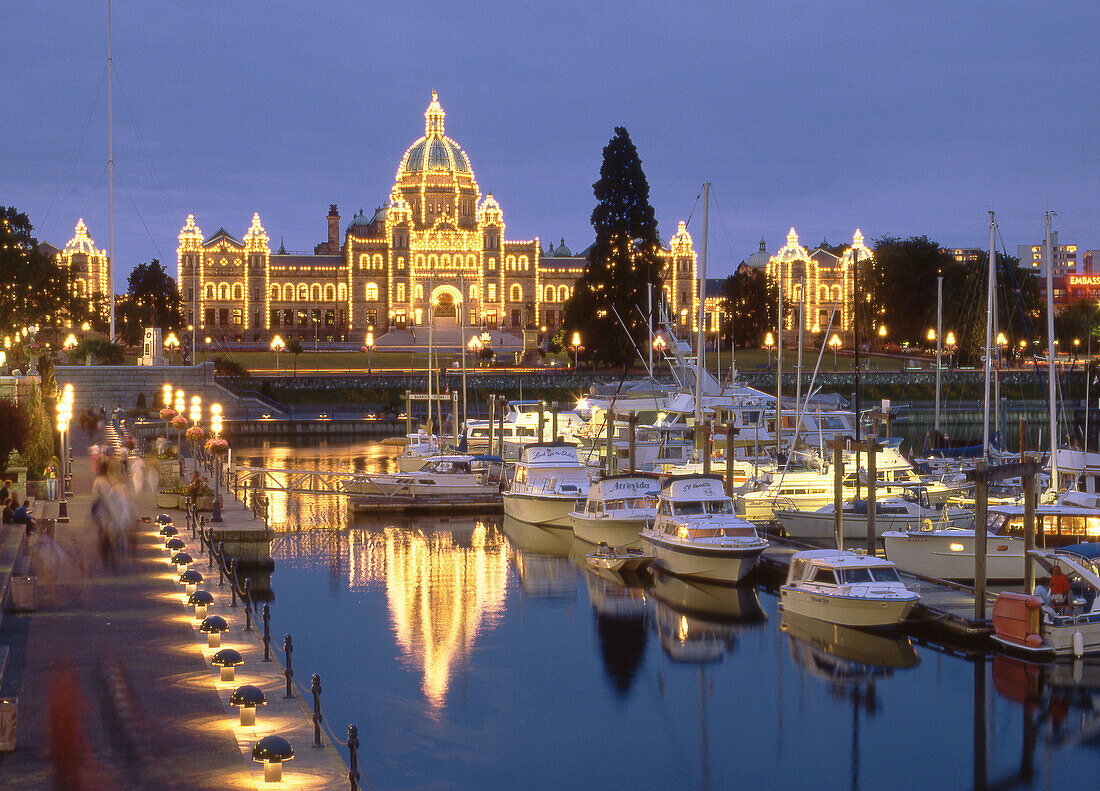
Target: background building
437,244
1064,257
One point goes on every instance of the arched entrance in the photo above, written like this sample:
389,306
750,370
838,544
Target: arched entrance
447,301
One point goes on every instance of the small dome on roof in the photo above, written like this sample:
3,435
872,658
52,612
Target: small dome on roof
563,251
81,242
359,220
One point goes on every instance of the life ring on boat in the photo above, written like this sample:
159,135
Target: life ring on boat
926,526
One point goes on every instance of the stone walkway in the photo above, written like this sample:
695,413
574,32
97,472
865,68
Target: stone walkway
132,690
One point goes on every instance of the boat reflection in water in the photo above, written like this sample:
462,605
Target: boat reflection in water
698,621
542,559
841,654
1060,700
444,585
619,605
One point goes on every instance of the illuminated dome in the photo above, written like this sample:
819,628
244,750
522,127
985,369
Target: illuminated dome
435,152
857,248
792,251
82,242
489,212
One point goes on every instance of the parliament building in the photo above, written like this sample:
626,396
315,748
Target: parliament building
437,243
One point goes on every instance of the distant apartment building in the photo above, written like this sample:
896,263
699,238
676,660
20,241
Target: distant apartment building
1064,257
965,255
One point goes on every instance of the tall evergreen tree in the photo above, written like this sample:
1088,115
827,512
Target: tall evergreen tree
750,302
622,264
151,300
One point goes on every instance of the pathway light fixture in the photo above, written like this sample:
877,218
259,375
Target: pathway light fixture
227,659
200,600
248,698
272,751
213,626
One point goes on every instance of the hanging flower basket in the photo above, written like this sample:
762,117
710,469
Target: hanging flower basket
179,421
217,446
195,434
167,413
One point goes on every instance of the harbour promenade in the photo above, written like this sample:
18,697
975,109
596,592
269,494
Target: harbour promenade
114,681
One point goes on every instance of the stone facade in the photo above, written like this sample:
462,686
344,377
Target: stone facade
437,245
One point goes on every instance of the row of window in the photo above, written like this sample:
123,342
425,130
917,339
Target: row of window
332,293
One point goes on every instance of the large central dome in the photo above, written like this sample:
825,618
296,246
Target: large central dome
434,152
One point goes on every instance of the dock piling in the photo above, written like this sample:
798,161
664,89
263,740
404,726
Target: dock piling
705,447
981,512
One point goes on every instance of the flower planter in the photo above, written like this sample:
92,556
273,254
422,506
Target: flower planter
168,501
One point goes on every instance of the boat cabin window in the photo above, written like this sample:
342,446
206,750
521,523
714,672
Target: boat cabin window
690,509
664,508
994,522
885,574
521,475
824,576
701,507
852,576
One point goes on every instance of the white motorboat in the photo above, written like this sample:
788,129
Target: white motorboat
697,534
911,511
1026,624
419,447
846,588
841,654
808,490
948,553
548,483
451,483
616,510
622,560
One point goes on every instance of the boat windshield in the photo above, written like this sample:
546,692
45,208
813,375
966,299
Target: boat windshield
885,574
700,507
994,522
629,502
852,576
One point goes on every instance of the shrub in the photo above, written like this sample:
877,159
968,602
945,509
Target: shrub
105,352
227,367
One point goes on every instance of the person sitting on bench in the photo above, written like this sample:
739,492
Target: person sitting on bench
22,516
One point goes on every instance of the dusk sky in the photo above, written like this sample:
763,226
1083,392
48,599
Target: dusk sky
898,118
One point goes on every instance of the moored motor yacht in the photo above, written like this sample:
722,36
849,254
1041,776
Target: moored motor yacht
419,447
697,534
450,483
911,511
616,510
846,588
548,483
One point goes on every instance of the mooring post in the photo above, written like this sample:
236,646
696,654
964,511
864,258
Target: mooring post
633,423
705,447
408,413
500,424
981,511
872,490
492,422
542,421
554,423
731,435
838,491
315,688
1029,530
248,604
353,757
609,451
1023,439
267,633
232,574
288,649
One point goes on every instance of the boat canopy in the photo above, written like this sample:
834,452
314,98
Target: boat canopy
616,487
694,488
549,454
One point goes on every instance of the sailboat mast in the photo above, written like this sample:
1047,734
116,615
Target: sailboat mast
779,367
991,285
110,180
1048,254
939,347
701,314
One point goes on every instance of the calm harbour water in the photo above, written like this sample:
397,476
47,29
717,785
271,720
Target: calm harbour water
476,654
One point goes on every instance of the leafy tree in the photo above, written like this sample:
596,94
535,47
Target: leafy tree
622,264
151,300
750,300
34,289
104,351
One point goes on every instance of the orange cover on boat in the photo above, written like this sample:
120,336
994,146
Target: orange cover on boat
1016,618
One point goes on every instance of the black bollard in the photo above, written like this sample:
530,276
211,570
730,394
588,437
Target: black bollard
353,757
233,582
267,633
288,649
315,688
248,604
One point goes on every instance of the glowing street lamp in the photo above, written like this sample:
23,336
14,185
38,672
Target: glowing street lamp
179,428
171,343
834,344
950,344
576,348
370,345
69,343
208,348
769,344
659,345
216,430
277,346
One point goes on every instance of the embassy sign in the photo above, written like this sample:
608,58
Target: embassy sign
1082,281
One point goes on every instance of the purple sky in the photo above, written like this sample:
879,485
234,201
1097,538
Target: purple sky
899,118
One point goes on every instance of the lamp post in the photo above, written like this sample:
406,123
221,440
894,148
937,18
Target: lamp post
196,418
179,429
475,349
576,348
64,414
208,348
69,343
370,345
216,430
950,344
834,344
1002,342
659,345
882,336
769,344
277,346
171,343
